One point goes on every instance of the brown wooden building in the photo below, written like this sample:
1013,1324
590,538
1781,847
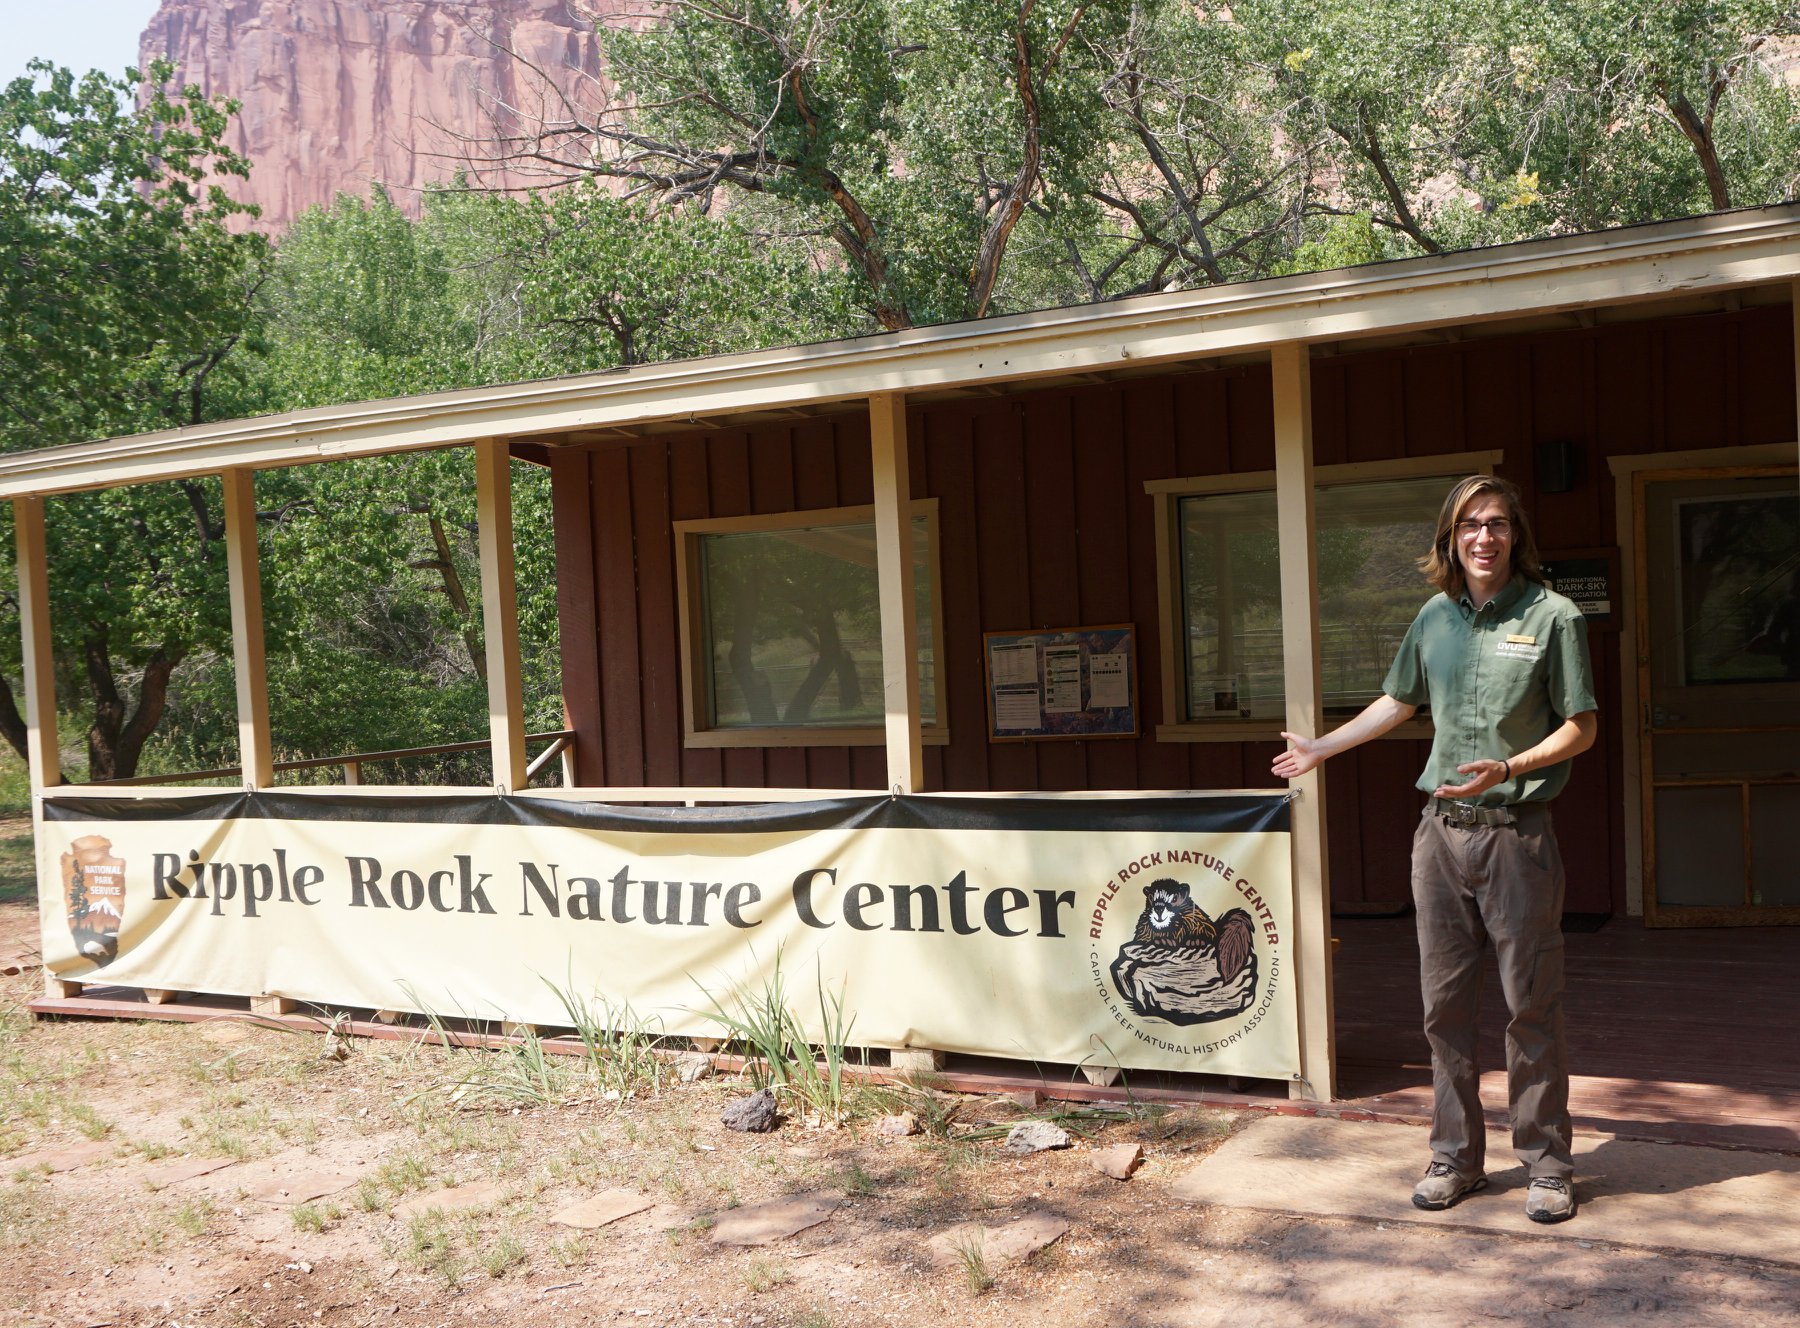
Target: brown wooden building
1236,474
1047,511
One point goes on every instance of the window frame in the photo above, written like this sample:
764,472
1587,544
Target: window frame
1165,496
697,732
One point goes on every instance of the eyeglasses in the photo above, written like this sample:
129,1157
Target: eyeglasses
1497,526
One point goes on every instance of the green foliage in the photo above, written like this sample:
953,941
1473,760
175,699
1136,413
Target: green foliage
1464,122
776,1047
770,172
123,285
622,1049
125,292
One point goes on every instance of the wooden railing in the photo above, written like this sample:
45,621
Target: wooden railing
560,740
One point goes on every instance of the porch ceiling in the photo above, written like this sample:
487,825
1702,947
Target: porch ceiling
1691,265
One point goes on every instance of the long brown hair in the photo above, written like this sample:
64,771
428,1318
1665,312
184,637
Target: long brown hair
1442,567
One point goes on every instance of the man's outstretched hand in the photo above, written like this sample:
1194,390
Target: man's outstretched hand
1302,755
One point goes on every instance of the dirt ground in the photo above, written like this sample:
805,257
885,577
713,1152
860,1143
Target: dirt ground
228,1174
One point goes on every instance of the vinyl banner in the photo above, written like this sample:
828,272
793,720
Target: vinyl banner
1153,932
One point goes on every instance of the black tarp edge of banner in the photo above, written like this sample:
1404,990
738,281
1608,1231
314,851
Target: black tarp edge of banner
472,809
1230,813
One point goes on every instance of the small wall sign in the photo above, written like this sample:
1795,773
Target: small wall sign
1590,578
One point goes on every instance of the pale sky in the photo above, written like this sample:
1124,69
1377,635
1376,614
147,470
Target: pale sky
82,34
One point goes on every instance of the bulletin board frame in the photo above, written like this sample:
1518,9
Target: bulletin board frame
1032,695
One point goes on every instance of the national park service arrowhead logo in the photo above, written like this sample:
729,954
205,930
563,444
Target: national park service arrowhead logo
94,896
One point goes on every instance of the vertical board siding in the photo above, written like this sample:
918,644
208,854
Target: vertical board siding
1049,514
1104,569
659,638
1002,563
577,614
1044,523
616,608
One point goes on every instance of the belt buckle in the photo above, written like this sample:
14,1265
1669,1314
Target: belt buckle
1463,813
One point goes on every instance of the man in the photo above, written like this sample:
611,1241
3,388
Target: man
1503,662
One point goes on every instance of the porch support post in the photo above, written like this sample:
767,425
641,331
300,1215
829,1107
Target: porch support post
256,748
1794,295
1292,374
894,564
41,749
500,613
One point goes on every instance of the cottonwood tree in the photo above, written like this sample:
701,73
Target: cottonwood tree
125,292
1200,186
1453,123
912,136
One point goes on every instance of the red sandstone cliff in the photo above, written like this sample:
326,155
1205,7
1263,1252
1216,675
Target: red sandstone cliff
341,94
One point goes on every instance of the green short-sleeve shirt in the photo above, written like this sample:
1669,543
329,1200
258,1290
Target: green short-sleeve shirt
1499,679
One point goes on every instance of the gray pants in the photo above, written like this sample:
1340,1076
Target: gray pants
1505,882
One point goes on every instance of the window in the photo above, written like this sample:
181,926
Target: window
1225,587
782,627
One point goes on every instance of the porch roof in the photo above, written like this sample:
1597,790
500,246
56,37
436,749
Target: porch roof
1695,256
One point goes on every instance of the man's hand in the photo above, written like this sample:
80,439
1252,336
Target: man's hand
1487,774
1302,755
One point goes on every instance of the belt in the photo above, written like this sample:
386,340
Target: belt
1467,813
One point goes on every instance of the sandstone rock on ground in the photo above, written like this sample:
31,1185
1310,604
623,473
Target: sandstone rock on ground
897,1126
1035,1136
456,1199
602,1209
301,1187
764,1223
1119,1161
1012,1242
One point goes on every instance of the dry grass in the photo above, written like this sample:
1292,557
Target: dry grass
156,1096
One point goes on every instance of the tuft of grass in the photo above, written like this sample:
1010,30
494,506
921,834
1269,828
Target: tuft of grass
369,1198
431,1246
194,1217
88,1121
815,1316
153,1150
303,1130
505,1251
227,1144
698,1227
401,1174
569,1251
764,1274
26,1211
777,1053
316,1217
973,1257
519,1073
620,1048
858,1182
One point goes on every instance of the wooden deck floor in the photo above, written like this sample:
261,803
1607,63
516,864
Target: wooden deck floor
1690,1036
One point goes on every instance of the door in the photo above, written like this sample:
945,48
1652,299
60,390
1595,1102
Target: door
1718,575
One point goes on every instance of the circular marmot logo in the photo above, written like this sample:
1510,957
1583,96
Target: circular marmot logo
1202,949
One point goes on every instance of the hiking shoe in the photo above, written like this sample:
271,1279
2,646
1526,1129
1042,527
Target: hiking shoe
1443,1185
1549,1199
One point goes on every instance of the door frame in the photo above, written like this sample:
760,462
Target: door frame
1637,715
1625,468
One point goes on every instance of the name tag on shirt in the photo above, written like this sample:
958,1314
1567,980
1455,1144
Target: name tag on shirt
1520,647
